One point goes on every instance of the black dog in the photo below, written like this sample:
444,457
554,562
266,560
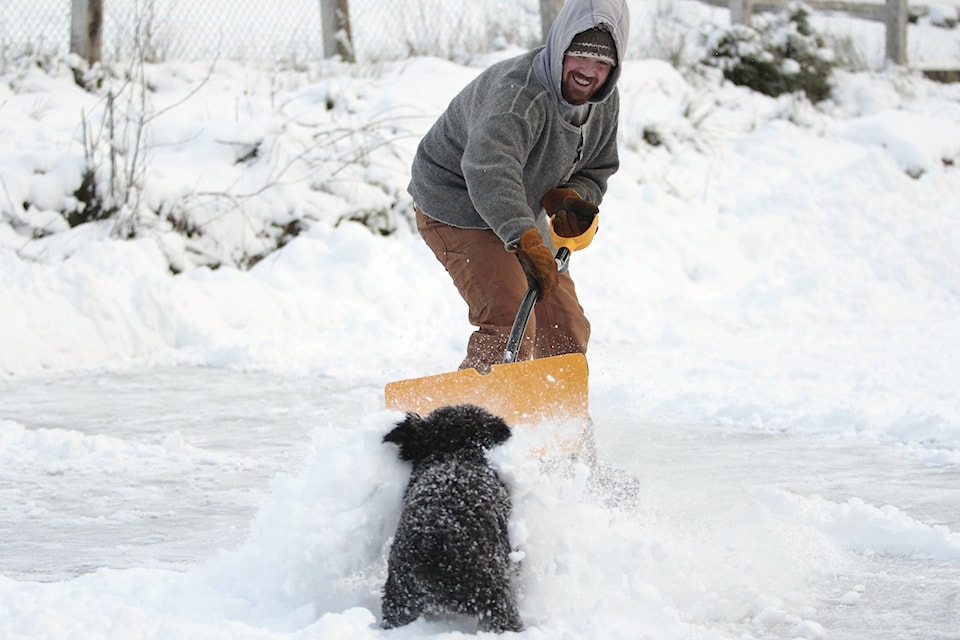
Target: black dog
451,551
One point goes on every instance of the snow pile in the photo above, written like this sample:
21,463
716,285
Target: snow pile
315,559
868,529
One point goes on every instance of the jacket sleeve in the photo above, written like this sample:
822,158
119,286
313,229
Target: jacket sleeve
493,168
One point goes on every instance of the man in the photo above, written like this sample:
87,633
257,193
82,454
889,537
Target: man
532,136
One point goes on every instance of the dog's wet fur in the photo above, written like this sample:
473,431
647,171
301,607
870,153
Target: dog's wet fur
451,552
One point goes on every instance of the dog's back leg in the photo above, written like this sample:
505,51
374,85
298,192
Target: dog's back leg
500,612
402,602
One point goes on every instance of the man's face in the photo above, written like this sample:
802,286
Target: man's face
581,78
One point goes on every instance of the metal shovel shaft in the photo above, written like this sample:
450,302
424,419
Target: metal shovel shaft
526,308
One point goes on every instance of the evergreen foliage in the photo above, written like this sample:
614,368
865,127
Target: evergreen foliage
779,54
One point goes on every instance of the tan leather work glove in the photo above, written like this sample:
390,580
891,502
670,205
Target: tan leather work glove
572,215
537,262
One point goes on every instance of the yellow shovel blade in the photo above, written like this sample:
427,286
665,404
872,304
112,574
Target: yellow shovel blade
529,391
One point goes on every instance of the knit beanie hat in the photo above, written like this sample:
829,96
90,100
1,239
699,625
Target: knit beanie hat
594,43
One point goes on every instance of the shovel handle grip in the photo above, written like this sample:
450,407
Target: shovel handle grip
575,243
526,308
563,259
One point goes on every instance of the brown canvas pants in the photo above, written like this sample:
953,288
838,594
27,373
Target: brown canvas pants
492,282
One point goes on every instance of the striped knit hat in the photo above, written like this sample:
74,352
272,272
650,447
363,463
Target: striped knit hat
594,43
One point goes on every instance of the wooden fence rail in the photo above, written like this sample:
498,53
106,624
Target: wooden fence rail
87,21
894,14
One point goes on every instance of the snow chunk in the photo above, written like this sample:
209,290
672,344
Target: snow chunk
808,630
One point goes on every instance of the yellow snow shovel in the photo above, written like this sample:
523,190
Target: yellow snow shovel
536,391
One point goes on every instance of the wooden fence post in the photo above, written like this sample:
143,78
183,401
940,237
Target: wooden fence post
741,11
86,26
896,23
335,28
548,13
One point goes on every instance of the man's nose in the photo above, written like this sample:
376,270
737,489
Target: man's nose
592,67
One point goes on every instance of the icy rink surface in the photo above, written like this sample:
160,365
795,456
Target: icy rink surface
742,533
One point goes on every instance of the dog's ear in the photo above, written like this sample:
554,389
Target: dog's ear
403,428
494,431
408,434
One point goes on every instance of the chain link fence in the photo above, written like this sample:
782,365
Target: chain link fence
257,31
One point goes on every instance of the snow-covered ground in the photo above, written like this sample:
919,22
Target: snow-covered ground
774,295
738,532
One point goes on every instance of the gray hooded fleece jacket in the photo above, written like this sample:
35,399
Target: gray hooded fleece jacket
508,137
